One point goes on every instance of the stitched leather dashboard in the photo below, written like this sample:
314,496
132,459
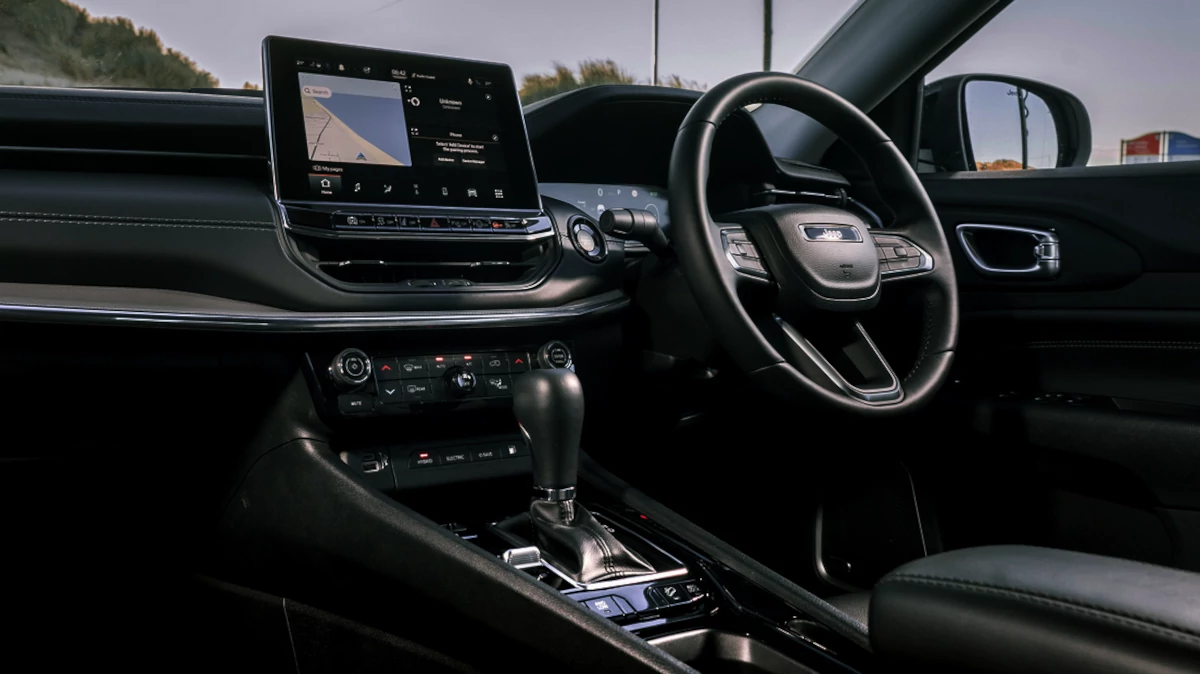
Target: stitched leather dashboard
208,236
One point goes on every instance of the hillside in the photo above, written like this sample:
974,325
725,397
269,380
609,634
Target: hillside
55,43
998,165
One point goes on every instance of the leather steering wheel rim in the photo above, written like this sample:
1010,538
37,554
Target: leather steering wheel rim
710,275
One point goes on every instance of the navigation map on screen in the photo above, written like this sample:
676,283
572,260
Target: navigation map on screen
354,120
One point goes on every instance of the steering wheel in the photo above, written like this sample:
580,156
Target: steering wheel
818,269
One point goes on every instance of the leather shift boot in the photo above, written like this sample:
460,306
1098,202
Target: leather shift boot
581,545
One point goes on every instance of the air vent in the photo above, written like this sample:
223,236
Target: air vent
378,265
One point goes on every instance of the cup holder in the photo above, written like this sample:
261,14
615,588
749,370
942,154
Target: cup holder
716,652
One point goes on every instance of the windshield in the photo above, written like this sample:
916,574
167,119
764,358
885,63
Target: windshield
552,45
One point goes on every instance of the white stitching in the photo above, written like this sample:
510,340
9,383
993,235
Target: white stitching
1113,345
139,224
126,218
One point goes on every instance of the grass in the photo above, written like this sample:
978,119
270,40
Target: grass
62,41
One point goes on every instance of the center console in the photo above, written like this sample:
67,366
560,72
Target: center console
404,173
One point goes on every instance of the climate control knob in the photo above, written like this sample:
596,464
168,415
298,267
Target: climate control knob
554,355
460,381
350,369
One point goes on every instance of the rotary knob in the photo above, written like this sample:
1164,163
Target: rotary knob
460,381
350,369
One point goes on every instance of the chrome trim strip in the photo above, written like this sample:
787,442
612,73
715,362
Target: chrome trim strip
289,322
402,235
548,494
522,558
1045,253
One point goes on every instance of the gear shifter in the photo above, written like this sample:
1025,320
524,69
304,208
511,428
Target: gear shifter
549,407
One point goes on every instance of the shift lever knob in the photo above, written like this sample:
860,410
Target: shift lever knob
549,408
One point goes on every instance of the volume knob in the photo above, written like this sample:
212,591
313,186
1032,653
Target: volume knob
350,369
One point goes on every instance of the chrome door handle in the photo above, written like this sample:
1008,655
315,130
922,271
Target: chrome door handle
1044,251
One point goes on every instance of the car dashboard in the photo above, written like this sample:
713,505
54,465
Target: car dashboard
152,264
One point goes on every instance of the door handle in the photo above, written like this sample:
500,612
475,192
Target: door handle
1010,243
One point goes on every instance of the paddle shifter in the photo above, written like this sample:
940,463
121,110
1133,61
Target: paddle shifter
549,407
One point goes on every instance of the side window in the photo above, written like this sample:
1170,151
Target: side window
1068,83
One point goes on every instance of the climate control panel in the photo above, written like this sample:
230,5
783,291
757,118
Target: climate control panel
357,383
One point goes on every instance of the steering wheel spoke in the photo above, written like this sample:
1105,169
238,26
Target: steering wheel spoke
837,354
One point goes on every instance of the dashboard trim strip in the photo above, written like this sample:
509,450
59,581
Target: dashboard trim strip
290,322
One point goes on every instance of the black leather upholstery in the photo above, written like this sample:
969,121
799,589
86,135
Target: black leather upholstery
1026,609
578,542
857,605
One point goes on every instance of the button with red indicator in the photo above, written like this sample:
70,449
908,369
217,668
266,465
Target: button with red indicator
386,369
423,458
437,365
518,361
468,361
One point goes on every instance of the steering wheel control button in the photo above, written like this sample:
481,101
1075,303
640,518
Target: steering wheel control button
417,391
413,368
900,257
354,403
743,254
455,456
498,384
518,361
350,369
494,363
605,606
747,263
554,355
386,369
424,458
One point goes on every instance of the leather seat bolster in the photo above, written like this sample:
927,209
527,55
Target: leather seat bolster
1015,608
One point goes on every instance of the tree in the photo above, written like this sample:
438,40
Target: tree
588,73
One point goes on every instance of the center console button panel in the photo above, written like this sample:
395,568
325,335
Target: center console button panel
370,384
424,464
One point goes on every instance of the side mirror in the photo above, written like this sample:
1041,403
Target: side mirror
996,122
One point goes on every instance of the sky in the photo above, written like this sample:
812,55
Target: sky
1134,63
702,40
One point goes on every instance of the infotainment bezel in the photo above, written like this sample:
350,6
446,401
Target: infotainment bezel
290,167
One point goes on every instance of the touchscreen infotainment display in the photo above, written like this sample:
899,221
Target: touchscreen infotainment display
365,126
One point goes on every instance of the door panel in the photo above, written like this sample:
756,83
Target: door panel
1087,384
